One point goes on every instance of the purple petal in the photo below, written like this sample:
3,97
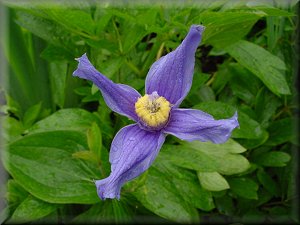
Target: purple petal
119,97
132,152
171,76
190,125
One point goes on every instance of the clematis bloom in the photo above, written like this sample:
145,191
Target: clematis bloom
156,114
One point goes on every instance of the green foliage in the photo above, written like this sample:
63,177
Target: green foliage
57,128
261,63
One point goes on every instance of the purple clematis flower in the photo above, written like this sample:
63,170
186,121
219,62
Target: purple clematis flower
156,113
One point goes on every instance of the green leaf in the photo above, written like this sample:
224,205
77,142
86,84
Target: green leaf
191,159
32,209
225,156
21,74
57,75
137,32
105,212
59,178
185,181
272,159
244,187
94,139
32,114
111,66
212,181
222,77
265,106
57,54
12,128
272,11
46,29
249,128
225,205
86,155
261,63
102,18
171,192
15,194
74,20
209,157
65,119
239,83
282,131
225,28
268,183
159,195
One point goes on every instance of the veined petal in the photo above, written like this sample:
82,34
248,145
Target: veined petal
171,76
132,152
119,97
191,124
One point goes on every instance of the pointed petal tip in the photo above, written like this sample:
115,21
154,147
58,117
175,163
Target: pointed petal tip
198,28
84,56
195,33
235,119
105,189
81,60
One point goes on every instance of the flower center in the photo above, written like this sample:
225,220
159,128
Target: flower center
153,110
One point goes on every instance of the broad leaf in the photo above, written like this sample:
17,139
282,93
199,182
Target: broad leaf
261,63
272,159
225,28
105,212
221,158
208,157
44,165
282,131
159,195
65,119
32,209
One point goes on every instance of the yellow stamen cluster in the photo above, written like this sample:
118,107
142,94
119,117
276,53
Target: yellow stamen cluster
153,110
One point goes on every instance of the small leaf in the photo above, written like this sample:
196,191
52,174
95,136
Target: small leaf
272,159
212,181
244,187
